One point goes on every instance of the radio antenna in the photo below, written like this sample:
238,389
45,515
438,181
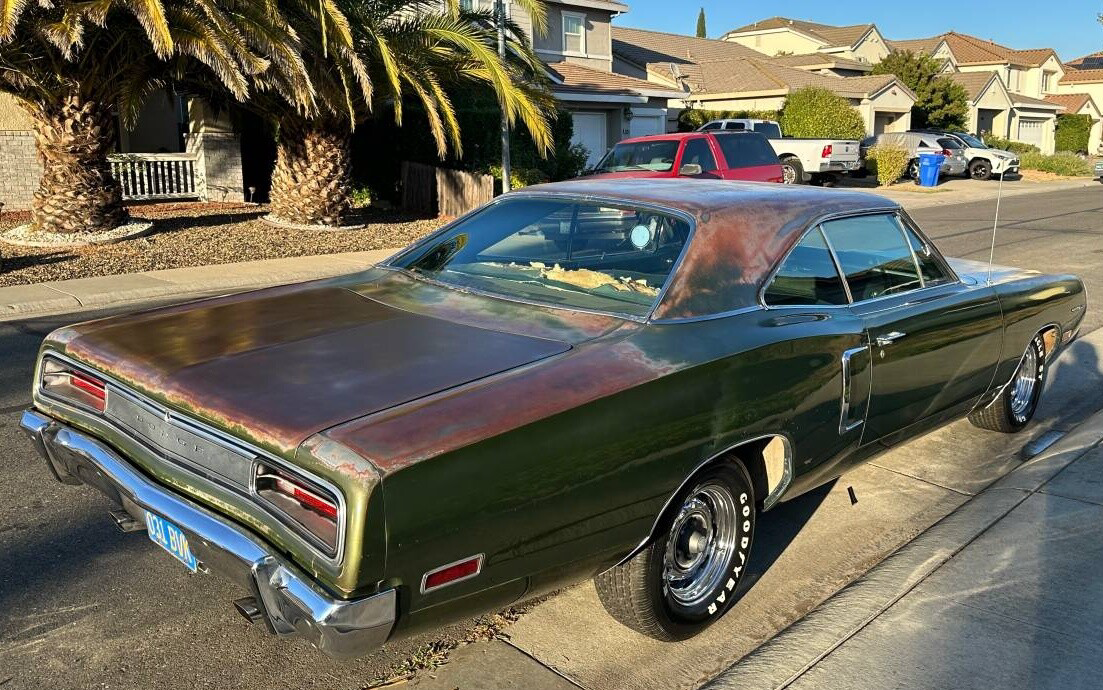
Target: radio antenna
995,224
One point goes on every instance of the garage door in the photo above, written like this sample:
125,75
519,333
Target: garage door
589,130
646,125
1031,131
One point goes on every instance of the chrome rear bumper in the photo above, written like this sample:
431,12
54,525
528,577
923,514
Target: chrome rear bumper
291,602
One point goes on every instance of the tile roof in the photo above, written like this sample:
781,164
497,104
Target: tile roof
1073,102
573,77
1079,76
974,82
821,61
833,36
1019,99
1092,61
710,66
970,50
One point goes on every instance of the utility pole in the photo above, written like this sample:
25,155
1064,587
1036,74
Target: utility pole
500,10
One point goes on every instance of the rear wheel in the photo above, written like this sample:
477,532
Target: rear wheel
688,577
980,170
1017,402
792,172
913,170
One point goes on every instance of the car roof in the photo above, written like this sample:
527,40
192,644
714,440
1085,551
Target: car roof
743,230
675,136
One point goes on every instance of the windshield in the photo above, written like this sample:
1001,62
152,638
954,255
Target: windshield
656,156
972,141
770,130
563,252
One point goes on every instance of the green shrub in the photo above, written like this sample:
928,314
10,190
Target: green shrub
519,177
1018,147
1073,132
889,162
1063,163
361,196
819,113
690,119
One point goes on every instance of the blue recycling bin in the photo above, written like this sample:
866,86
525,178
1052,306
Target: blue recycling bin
929,166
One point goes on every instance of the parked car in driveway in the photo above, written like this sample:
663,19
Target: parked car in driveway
915,144
982,161
802,160
1098,170
607,378
726,156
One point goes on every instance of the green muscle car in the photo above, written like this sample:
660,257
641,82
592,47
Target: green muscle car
609,379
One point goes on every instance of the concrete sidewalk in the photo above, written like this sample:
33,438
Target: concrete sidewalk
962,191
63,296
1004,592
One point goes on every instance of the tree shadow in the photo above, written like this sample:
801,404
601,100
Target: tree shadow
778,527
19,262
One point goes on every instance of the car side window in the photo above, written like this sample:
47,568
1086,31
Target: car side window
712,125
698,151
932,270
746,150
874,255
807,276
735,126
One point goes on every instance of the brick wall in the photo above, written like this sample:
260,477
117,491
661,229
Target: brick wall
19,170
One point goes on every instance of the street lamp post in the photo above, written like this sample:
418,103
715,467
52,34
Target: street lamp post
500,11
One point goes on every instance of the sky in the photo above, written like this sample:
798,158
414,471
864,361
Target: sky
1067,26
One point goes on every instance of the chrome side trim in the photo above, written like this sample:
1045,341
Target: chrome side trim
478,571
293,603
845,425
767,503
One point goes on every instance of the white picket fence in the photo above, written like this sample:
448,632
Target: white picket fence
158,175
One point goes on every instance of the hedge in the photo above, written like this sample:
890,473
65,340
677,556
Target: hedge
1018,147
1073,132
819,113
889,162
1063,163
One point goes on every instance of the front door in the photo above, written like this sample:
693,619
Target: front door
934,341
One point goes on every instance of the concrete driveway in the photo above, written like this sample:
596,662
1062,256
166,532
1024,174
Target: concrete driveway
84,605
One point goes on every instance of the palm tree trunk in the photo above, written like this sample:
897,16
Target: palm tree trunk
77,192
312,183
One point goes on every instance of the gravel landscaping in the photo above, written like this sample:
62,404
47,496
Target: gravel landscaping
200,234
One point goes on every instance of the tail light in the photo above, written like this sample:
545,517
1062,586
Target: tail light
73,385
948,153
314,508
826,151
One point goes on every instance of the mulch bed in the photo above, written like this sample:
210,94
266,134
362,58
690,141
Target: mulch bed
201,234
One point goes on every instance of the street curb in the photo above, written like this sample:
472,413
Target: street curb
793,651
65,296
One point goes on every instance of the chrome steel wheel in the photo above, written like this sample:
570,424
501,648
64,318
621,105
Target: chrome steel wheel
788,174
701,539
1026,379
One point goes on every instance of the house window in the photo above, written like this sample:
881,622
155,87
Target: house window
1046,81
574,33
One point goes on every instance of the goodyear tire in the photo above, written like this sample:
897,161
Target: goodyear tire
1017,402
689,576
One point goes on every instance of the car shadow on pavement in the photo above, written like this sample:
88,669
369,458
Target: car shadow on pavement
777,528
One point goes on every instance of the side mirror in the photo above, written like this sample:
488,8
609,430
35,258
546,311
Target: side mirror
690,169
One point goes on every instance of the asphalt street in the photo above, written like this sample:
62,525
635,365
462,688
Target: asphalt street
83,605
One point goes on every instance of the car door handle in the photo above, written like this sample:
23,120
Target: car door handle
889,338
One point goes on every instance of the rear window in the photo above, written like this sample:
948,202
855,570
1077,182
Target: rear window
948,143
770,130
656,156
746,150
574,254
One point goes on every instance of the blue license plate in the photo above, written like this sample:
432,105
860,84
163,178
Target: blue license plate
170,538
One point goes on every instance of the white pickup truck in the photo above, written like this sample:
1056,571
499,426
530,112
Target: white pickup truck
802,160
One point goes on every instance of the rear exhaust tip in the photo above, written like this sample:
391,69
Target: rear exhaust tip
249,609
125,521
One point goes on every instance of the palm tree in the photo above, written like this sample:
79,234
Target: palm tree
402,47
74,65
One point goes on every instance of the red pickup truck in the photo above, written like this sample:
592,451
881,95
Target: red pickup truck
711,155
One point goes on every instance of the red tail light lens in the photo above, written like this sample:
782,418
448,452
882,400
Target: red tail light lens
314,508
947,152
826,151
73,385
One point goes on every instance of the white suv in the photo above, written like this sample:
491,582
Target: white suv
983,162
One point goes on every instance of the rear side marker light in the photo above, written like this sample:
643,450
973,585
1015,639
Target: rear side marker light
452,573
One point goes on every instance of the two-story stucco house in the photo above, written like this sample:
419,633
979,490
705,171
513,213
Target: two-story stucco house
1080,90
784,36
577,48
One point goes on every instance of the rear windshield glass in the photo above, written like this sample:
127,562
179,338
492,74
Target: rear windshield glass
948,143
770,130
562,252
746,150
657,156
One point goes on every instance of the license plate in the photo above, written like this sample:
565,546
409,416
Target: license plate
170,538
